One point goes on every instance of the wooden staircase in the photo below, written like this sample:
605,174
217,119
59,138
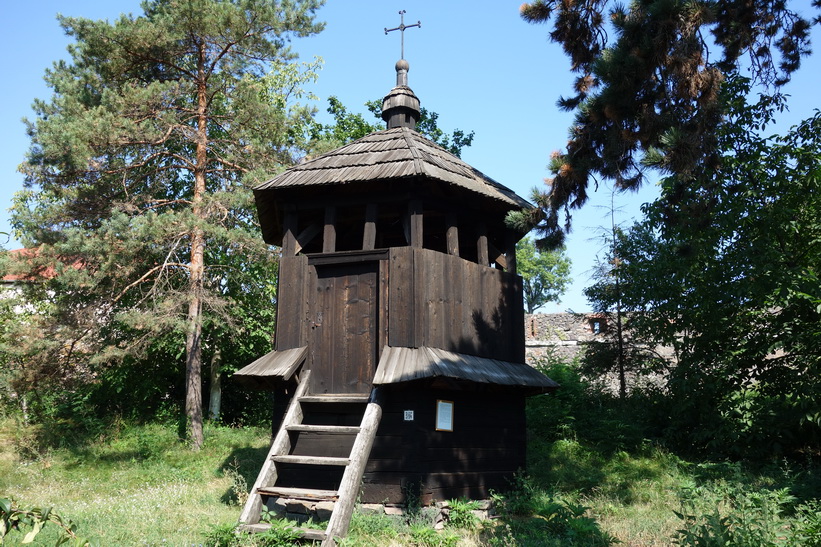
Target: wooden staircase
318,454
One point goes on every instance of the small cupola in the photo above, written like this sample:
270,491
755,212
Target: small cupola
400,107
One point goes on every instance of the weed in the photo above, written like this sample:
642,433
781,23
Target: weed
239,486
535,517
723,514
806,526
425,536
461,514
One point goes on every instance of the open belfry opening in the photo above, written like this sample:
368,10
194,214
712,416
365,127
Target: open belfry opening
399,364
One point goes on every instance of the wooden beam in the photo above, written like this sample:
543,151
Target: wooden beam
453,234
496,255
369,236
289,228
329,234
306,236
481,245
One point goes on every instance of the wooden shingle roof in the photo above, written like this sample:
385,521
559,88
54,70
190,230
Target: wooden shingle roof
392,154
275,365
402,364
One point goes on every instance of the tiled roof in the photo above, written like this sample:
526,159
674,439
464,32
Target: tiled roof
392,154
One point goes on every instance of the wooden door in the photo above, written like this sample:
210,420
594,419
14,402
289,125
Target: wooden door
344,337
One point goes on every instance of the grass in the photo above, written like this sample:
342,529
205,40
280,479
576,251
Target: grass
594,479
136,486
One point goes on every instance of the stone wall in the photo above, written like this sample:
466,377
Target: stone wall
561,334
564,335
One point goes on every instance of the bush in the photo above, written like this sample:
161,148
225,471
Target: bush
531,516
729,515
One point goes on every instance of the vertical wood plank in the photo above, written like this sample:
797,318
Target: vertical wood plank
481,244
452,234
400,307
329,233
384,299
369,235
420,291
291,302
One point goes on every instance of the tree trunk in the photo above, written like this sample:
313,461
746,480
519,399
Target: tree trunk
215,398
193,343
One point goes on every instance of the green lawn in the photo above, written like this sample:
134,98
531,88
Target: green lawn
139,485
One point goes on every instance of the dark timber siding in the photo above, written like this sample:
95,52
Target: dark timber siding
443,301
483,452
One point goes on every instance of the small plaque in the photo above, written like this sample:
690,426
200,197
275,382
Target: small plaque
409,415
444,415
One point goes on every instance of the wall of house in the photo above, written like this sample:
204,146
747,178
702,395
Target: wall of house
410,457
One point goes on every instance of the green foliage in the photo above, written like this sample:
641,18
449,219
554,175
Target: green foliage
138,200
348,127
724,270
806,526
724,515
534,517
369,529
280,534
425,536
461,515
545,274
32,521
647,91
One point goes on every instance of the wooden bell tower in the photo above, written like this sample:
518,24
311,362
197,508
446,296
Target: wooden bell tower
398,296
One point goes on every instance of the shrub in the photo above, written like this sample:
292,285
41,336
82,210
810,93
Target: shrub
725,515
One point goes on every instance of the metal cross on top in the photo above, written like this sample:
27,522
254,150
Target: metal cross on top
401,28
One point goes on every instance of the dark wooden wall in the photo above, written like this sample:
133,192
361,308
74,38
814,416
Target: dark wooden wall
444,301
482,453
432,299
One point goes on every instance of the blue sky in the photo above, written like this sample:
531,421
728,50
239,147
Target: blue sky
477,64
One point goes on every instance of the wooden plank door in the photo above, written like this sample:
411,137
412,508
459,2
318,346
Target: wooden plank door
344,330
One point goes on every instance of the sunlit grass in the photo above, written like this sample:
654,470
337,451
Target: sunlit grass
140,486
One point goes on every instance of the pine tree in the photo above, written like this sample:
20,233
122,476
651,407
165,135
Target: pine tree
138,174
647,91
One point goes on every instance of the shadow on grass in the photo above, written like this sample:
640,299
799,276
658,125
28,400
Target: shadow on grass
242,466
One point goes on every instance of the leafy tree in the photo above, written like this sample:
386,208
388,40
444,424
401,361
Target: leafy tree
348,127
647,91
725,270
545,274
137,182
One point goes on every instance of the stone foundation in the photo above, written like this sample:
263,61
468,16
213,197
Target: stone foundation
301,511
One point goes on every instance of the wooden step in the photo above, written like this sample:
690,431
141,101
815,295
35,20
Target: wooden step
312,533
307,533
298,493
312,460
335,398
324,428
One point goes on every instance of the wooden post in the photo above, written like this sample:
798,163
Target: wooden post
510,251
481,245
289,228
329,234
415,219
453,234
369,236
